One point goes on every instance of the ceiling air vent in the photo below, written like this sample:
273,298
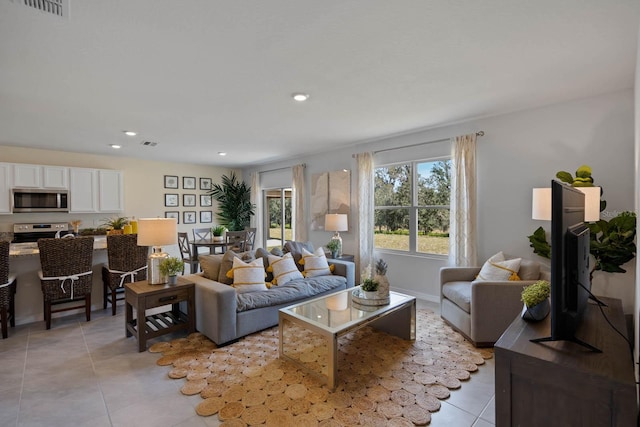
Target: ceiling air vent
53,7
149,143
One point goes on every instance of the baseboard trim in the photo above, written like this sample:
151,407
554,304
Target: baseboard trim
419,295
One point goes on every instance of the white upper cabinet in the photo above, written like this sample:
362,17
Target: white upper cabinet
110,194
5,188
83,186
39,176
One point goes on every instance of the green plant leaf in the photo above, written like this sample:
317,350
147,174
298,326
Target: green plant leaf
565,177
538,241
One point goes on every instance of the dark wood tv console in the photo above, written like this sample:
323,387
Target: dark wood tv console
562,383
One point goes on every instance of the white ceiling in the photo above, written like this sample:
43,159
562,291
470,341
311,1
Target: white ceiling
202,76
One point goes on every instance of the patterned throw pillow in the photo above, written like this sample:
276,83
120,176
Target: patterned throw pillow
315,264
283,268
498,269
247,276
227,264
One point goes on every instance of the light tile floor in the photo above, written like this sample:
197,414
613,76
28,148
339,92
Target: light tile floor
88,374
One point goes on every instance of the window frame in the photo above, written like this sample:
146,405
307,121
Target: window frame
413,208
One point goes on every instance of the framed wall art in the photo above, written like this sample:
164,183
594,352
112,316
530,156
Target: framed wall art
173,214
205,200
189,217
170,181
189,182
188,200
330,193
205,216
171,200
205,183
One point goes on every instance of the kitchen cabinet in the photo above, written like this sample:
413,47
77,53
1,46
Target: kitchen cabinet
96,190
110,193
5,188
39,176
83,186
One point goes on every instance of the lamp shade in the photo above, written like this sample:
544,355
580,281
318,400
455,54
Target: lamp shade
336,222
157,231
591,203
541,204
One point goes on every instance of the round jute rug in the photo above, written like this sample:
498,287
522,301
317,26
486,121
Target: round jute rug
382,380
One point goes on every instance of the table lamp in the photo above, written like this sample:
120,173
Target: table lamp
336,223
157,232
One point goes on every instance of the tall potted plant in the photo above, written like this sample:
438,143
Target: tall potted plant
234,202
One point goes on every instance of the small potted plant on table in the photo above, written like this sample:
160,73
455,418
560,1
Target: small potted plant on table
116,225
217,232
334,247
170,267
536,300
369,288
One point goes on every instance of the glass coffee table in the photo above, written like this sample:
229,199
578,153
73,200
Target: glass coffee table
309,331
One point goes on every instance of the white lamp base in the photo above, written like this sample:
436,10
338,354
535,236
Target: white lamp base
154,277
336,236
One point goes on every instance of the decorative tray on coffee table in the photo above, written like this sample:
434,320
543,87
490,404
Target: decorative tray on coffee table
357,295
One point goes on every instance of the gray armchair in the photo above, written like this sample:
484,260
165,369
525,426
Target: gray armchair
482,311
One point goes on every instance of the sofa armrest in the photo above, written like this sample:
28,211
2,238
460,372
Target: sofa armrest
345,269
215,309
494,305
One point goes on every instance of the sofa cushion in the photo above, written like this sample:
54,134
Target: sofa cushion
264,254
458,293
227,264
283,268
295,249
290,292
248,276
210,266
315,264
529,270
498,269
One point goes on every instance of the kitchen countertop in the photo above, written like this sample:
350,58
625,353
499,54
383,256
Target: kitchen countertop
26,249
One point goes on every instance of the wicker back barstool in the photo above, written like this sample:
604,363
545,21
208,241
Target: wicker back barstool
7,291
127,263
66,274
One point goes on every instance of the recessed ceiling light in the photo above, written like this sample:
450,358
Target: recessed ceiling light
221,153
115,146
300,97
130,133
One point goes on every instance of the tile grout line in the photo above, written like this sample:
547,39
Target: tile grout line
93,368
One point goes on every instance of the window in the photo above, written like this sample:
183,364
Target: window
412,206
277,217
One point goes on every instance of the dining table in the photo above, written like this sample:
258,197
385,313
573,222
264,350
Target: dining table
210,243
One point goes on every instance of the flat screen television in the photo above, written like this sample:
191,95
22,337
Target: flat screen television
570,270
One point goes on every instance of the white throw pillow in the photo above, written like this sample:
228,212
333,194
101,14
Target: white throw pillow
284,269
315,264
248,276
497,269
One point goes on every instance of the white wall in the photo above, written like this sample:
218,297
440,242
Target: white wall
519,151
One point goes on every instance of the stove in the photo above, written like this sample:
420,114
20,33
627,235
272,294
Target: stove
31,232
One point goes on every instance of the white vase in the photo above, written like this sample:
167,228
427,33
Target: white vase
370,294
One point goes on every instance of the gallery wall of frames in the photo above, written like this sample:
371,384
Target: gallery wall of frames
187,199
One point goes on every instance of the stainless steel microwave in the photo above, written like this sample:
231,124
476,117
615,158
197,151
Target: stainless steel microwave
36,200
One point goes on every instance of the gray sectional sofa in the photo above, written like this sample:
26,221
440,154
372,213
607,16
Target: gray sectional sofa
224,315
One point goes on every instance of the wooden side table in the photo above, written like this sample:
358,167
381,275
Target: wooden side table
143,296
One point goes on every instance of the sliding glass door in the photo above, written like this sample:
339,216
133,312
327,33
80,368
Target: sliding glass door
277,217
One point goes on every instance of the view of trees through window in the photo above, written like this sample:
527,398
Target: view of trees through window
412,206
278,217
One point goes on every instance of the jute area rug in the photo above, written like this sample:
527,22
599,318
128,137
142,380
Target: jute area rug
382,380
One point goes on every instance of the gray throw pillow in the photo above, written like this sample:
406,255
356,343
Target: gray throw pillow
296,250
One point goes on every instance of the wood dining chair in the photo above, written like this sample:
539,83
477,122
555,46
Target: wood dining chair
187,254
250,238
200,234
236,240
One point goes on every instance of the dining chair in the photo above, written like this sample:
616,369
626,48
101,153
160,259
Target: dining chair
127,263
187,255
66,274
200,234
250,238
236,240
7,291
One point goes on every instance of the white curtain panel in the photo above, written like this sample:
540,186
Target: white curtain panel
463,233
365,224
256,199
298,202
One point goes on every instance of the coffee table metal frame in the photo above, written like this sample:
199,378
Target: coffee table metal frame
397,318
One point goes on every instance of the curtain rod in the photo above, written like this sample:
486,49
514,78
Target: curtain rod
479,133
304,165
